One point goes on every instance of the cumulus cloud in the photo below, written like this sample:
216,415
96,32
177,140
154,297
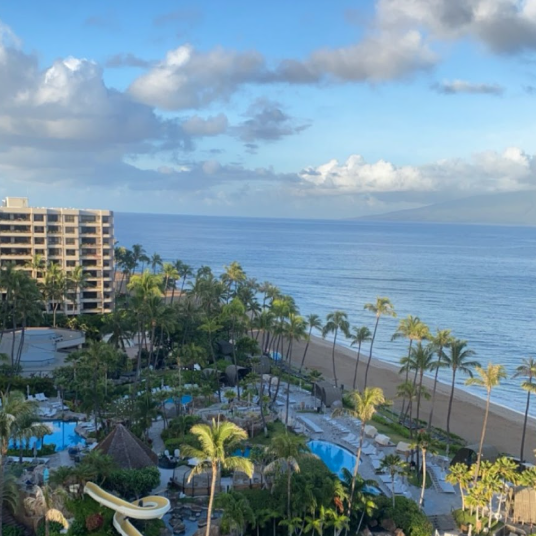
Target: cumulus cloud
211,126
127,60
190,79
268,122
452,87
503,26
485,172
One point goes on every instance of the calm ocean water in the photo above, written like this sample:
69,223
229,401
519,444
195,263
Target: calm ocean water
479,281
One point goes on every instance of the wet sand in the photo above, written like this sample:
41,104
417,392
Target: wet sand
504,425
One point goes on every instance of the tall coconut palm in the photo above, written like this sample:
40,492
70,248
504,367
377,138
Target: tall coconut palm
335,322
382,307
393,464
77,280
440,340
285,450
422,358
364,406
314,322
14,411
459,474
424,443
54,287
526,370
360,335
171,275
138,255
413,329
458,360
215,441
155,262
488,379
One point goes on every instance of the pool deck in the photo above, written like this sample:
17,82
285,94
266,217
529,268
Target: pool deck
439,499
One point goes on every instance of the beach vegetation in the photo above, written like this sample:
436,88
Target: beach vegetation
526,370
488,378
336,322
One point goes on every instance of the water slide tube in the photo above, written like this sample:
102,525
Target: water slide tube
150,507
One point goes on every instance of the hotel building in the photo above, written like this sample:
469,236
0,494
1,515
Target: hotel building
66,237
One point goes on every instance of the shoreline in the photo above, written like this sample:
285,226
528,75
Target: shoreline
504,427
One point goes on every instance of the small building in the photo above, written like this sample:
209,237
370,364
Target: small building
127,451
469,454
524,506
327,393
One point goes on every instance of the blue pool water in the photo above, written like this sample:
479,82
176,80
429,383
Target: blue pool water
337,459
244,453
62,435
185,399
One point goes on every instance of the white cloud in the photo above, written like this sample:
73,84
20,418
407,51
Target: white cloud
485,172
187,78
503,26
211,126
452,87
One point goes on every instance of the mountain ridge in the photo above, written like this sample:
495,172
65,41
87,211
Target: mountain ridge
511,208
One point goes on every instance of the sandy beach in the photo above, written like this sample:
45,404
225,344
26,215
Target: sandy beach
504,426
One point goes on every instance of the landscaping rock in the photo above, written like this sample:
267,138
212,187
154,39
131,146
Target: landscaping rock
399,532
389,525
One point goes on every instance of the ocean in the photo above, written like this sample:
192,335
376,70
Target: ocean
478,281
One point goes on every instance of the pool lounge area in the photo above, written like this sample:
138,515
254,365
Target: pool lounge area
62,434
337,458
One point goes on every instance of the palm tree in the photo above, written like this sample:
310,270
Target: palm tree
382,307
77,279
488,379
15,410
138,254
335,322
314,322
364,406
413,329
526,370
37,265
185,271
156,262
423,442
237,511
171,275
285,449
360,335
422,359
54,287
457,360
215,441
393,464
460,474
440,340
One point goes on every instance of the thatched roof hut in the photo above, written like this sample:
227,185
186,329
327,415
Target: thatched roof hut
524,506
126,449
327,393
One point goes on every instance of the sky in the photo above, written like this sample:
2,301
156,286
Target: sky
273,109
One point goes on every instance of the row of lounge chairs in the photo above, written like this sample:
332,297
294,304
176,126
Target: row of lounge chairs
39,397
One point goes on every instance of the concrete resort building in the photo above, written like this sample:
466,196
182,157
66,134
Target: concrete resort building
68,238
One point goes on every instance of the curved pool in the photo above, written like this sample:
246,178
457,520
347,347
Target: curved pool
337,458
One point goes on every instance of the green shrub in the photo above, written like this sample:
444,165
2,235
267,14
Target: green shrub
12,531
134,483
406,515
53,527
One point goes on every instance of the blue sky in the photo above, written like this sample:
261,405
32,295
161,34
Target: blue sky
289,109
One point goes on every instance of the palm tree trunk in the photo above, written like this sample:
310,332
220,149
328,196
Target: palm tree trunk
450,409
2,462
211,498
370,354
333,358
525,426
434,391
407,375
306,348
482,436
356,468
289,479
421,499
288,382
357,365
393,489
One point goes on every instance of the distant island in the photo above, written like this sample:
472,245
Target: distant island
512,208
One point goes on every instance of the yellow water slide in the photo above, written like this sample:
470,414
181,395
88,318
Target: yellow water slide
150,507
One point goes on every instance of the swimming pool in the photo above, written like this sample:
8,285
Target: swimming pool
337,459
185,399
62,435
